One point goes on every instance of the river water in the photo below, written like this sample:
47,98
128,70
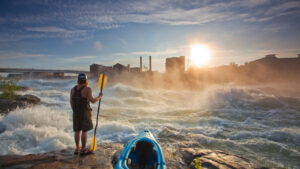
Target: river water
245,121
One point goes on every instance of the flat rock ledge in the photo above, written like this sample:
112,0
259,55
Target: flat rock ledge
7,105
183,158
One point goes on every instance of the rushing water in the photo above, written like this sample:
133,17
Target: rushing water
248,122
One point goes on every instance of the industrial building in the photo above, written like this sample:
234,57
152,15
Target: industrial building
118,68
96,69
272,68
275,63
175,64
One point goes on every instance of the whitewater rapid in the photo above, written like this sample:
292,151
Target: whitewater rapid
240,120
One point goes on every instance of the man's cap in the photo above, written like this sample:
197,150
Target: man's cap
82,76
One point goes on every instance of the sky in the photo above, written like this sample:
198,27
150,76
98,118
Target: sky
72,34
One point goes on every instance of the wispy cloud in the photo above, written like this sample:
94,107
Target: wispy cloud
280,8
274,28
123,42
44,32
167,52
98,45
274,11
79,58
51,29
58,30
17,55
253,3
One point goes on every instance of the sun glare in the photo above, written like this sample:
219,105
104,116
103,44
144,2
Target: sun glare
200,55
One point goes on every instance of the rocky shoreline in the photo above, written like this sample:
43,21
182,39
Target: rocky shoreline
107,153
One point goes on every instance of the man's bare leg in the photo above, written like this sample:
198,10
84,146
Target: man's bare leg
83,139
77,139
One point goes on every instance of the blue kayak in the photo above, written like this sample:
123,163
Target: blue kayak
142,152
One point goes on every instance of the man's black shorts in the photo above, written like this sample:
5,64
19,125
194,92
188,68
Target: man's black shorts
82,121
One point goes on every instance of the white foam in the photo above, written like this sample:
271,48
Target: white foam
116,131
36,129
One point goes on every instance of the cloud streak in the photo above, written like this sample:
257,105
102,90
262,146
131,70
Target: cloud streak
166,52
78,58
50,29
17,55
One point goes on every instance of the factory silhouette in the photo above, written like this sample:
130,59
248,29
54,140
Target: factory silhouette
173,65
96,69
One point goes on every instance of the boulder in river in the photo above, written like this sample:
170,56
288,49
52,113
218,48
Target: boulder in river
214,159
7,105
28,98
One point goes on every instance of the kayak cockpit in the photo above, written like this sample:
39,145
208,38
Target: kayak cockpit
142,152
142,156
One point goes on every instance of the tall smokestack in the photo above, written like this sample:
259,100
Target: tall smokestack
141,64
150,64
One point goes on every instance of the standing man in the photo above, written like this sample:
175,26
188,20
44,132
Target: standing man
80,98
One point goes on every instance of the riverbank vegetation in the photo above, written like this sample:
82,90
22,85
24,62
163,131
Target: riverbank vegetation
8,89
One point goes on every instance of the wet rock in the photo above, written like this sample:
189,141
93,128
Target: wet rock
2,128
210,159
17,161
24,88
31,99
7,105
115,157
101,159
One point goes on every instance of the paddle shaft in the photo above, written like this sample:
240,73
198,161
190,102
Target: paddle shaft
99,106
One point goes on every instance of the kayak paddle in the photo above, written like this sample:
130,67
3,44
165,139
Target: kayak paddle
101,84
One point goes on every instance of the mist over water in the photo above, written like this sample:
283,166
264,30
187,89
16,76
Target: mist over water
239,120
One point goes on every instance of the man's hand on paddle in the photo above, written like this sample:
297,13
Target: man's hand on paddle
100,96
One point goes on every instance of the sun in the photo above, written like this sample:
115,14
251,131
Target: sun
200,55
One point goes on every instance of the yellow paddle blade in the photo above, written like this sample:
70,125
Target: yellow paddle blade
94,144
102,77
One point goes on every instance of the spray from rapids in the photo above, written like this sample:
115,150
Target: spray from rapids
239,120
